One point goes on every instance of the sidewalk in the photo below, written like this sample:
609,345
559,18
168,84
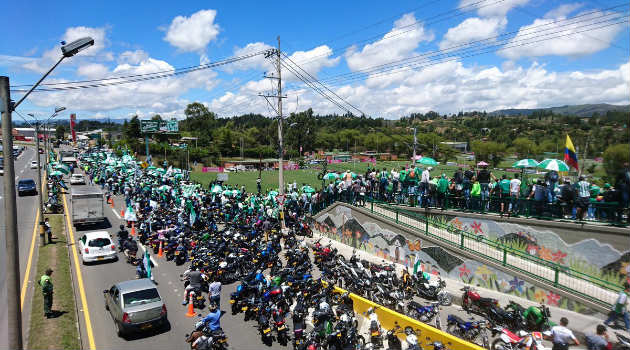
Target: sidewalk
580,324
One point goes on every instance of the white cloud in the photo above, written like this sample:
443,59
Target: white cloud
578,38
314,60
93,70
193,33
399,43
449,87
132,57
563,10
473,29
492,9
256,62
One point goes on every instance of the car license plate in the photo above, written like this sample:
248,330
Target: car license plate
100,258
146,326
375,334
244,308
232,301
176,253
267,330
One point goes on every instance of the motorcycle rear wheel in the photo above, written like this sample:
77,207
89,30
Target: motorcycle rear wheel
499,344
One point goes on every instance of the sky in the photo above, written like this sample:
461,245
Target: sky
379,58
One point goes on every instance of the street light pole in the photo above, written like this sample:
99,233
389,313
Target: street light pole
42,230
14,309
280,165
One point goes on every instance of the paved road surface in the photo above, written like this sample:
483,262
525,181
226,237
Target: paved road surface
26,209
99,277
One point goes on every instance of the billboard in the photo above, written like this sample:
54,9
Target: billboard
159,126
73,122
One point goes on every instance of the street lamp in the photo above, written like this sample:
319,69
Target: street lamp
14,312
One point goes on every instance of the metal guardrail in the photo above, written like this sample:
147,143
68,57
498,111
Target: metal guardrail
589,287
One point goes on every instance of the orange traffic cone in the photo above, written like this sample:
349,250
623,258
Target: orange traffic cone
160,252
111,202
122,213
191,308
133,228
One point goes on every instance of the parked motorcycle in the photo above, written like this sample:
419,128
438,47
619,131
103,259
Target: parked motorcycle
468,330
425,313
472,301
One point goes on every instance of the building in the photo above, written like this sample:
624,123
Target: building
459,146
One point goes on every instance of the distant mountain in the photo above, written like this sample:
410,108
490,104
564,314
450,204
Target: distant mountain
578,110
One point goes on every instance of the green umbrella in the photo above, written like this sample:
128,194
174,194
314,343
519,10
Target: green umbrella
273,194
56,173
525,163
160,170
553,164
216,189
331,176
308,189
426,161
164,188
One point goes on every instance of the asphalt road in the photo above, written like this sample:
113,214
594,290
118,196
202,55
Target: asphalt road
99,277
26,210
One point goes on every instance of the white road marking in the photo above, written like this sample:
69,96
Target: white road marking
115,213
150,257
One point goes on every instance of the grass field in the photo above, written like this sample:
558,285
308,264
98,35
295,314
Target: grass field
59,332
309,176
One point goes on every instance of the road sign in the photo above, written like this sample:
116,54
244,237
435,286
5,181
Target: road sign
144,165
159,126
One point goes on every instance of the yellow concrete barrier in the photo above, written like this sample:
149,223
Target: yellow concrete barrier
388,319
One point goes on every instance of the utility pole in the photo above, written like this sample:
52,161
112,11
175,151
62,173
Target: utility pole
413,161
281,168
42,237
14,312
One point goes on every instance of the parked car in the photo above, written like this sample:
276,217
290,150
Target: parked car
34,164
26,186
97,246
135,306
77,179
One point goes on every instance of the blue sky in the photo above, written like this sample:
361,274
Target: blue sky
387,59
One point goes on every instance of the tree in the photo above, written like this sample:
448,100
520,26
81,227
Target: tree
131,130
524,147
615,157
60,131
489,151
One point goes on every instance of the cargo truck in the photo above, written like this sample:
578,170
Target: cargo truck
88,205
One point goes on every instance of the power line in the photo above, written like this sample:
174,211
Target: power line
147,76
320,83
435,56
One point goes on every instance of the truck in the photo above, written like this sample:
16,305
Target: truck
88,205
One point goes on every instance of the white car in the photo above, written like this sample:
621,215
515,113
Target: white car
34,164
97,246
77,179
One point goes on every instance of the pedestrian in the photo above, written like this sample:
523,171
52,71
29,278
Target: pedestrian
484,177
584,197
620,308
215,292
504,191
442,191
47,290
562,337
48,230
598,341
258,182
515,190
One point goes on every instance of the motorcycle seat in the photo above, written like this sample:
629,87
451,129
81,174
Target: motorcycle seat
487,300
458,319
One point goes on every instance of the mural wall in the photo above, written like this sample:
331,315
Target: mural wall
363,232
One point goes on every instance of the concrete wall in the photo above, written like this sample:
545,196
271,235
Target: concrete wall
388,241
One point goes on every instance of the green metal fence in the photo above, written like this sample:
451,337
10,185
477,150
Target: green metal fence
589,287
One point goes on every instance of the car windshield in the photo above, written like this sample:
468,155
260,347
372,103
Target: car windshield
77,176
140,297
99,242
26,182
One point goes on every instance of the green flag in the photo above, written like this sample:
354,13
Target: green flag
416,264
63,168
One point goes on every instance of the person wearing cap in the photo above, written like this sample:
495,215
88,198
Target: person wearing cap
47,290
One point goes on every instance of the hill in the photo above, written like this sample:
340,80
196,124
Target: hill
577,110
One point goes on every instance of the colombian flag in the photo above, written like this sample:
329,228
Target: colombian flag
569,154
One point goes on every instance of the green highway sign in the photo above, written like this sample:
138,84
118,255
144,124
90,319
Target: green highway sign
159,126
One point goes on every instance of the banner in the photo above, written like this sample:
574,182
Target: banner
73,122
207,169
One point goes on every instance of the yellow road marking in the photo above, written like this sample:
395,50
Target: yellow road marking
29,261
86,311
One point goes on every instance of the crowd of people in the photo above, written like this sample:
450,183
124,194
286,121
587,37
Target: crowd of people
480,190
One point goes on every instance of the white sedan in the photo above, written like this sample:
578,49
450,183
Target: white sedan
34,164
97,246
77,179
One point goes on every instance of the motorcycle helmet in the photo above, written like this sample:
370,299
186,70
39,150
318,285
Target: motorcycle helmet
122,227
212,306
239,288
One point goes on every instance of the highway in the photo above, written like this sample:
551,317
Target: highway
27,211
98,277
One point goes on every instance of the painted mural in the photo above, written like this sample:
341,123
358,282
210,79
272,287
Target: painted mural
361,232
588,256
